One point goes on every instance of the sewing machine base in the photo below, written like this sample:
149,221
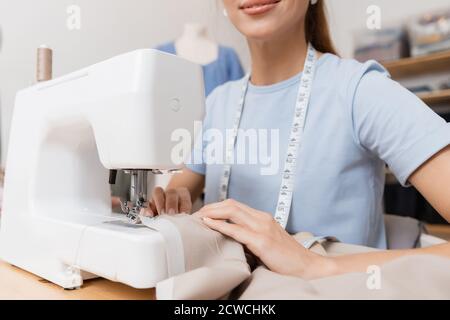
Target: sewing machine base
102,246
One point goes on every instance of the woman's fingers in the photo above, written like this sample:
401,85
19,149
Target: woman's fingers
150,211
147,212
152,207
253,241
234,231
233,203
171,201
232,214
115,202
159,198
184,200
229,210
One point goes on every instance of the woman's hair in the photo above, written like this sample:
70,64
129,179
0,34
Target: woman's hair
317,30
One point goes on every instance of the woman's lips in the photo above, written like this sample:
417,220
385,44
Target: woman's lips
256,7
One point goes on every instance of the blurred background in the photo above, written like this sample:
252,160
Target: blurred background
413,42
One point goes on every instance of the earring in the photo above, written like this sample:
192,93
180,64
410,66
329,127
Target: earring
225,12
313,2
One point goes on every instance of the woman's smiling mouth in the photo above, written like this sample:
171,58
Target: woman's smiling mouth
256,7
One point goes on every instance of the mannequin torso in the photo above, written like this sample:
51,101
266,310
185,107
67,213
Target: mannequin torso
194,45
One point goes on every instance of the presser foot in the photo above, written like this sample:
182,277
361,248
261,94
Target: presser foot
133,218
132,212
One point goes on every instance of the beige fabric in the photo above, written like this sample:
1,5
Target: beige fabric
216,265
414,277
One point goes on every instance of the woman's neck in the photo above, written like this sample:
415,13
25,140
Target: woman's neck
277,59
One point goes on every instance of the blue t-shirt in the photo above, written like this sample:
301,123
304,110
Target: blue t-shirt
358,120
226,67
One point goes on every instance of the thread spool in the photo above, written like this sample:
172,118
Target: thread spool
44,63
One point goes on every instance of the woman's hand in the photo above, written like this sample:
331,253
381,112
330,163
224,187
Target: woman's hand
183,189
265,238
115,203
170,201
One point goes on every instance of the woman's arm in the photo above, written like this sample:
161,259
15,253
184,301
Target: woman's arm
192,181
360,262
281,253
432,179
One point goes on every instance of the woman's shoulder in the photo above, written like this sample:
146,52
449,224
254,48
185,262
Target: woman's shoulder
347,70
343,75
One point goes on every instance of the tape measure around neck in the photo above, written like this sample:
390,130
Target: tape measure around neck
295,138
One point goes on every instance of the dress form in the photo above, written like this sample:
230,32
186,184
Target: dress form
195,45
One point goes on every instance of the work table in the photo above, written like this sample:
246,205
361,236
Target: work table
16,283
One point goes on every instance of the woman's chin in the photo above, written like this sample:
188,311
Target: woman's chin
259,33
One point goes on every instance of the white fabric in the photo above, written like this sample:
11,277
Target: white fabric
174,243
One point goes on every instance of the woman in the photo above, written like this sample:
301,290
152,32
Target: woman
357,120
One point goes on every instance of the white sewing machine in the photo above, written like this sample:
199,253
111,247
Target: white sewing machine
57,220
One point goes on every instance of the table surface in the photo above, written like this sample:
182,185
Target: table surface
16,283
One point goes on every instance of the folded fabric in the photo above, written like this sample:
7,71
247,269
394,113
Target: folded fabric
214,266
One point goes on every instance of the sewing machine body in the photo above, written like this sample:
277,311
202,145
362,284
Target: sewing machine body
66,133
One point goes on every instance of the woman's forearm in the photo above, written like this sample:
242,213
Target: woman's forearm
360,262
193,181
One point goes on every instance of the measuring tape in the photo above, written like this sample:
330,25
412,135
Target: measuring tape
295,138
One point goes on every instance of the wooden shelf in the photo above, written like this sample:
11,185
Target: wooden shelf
436,97
418,65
